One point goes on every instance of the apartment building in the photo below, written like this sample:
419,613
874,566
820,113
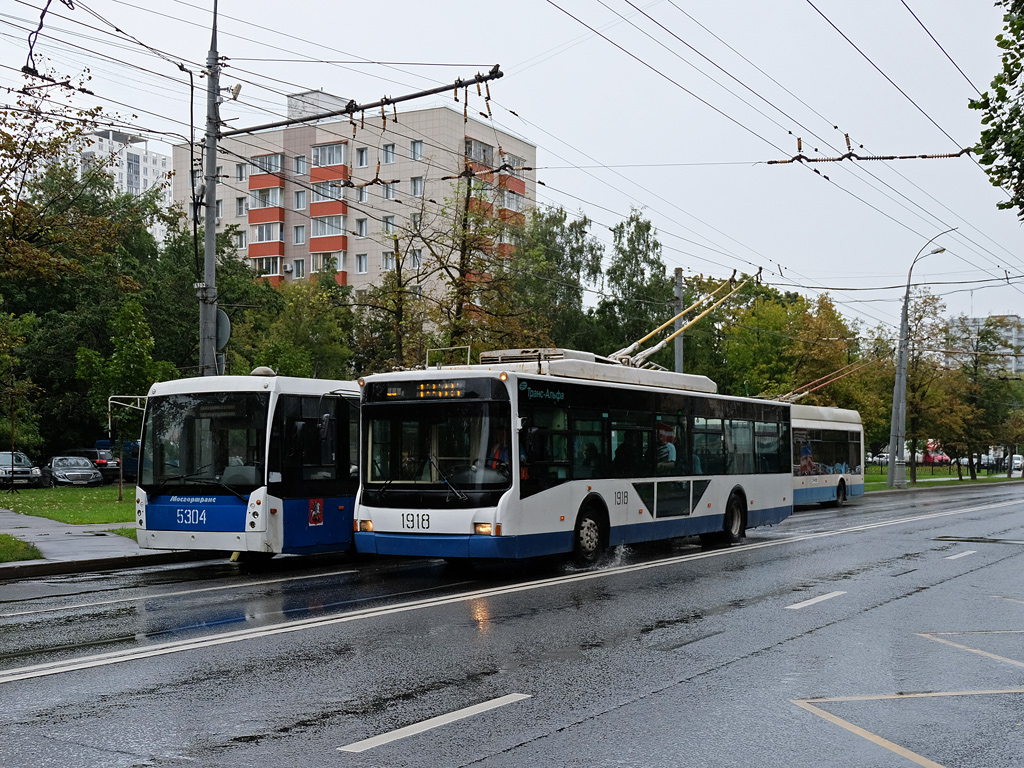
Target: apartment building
134,167
332,195
1011,329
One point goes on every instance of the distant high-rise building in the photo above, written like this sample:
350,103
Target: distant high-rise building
334,194
1011,328
133,166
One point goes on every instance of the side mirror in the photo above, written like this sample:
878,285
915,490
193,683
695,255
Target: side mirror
324,425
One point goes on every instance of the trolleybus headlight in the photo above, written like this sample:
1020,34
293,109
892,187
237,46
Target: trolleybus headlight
366,526
484,529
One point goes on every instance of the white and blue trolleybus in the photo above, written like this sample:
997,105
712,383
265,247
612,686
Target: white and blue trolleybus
539,452
828,455
251,464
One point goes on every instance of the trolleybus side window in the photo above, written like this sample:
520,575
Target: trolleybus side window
633,450
708,446
769,447
545,441
590,444
739,447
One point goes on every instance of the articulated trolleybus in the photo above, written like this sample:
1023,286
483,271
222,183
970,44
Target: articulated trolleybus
828,455
252,464
539,452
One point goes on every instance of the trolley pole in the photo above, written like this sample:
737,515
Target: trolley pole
207,290
678,341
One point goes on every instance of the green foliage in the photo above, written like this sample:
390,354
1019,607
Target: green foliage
1001,145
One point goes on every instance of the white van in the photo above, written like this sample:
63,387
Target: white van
1017,462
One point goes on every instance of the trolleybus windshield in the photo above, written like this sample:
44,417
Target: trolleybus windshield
216,438
452,446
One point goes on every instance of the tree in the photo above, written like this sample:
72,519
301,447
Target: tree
129,370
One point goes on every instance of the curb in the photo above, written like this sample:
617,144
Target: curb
63,567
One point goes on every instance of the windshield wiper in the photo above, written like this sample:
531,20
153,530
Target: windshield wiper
458,492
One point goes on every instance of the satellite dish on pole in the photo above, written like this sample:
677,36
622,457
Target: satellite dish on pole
223,329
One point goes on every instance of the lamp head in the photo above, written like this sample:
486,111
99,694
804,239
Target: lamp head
936,250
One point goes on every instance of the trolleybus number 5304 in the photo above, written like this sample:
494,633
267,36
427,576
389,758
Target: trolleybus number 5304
191,517
417,521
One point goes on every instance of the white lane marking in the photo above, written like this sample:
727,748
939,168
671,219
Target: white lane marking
179,593
115,657
434,722
813,600
963,554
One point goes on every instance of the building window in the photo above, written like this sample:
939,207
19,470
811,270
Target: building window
324,191
513,201
361,262
267,233
326,226
479,152
387,225
241,206
299,266
389,154
266,198
362,157
387,260
299,234
515,165
415,219
322,262
416,186
363,195
299,164
241,171
389,191
265,164
416,258
239,239
266,265
362,230
328,154
300,200
217,178
416,150
220,208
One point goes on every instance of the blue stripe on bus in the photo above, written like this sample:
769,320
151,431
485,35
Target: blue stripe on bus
825,493
539,544
196,512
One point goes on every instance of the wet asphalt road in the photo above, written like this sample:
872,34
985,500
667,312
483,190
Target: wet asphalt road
901,619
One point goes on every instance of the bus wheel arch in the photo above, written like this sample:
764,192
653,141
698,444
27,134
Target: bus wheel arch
591,531
734,521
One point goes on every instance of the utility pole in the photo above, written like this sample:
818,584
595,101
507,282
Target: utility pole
678,341
207,290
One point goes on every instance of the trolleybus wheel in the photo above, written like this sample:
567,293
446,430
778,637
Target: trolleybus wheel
734,526
587,538
841,493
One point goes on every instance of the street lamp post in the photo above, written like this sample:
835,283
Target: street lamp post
896,476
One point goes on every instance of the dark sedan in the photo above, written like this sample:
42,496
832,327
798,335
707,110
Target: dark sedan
70,470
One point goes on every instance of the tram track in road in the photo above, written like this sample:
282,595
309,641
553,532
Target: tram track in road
363,614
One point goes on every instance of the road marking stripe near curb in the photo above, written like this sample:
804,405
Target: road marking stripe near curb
963,554
935,636
178,646
813,600
179,593
434,722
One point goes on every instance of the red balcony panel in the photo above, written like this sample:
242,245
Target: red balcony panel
274,280
265,181
265,215
512,216
326,244
480,170
479,206
341,278
512,184
258,250
505,250
328,208
328,173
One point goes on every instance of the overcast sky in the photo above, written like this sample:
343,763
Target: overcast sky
672,106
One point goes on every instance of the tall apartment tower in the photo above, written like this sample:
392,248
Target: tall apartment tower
134,167
331,194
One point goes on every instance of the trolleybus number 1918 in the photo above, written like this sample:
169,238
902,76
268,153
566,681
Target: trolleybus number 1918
417,521
622,498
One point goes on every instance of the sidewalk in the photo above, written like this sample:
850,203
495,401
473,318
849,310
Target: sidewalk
80,548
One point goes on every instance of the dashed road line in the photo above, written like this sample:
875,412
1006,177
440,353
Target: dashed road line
813,601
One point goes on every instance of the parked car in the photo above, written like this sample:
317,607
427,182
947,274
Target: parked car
105,461
70,470
936,458
17,469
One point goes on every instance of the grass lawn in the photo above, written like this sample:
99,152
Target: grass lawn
77,506
12,550
927,477
128,533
